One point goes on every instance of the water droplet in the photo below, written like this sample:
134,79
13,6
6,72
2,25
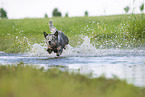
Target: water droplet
16,37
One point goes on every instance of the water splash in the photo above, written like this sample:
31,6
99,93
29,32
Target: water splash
37,50
84,50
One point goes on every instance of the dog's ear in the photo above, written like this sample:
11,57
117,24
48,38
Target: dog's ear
56,33
45,34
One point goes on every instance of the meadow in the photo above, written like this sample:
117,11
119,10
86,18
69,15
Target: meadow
121,31
28,81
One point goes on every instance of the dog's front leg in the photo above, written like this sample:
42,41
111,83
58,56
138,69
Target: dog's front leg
59,49
49,50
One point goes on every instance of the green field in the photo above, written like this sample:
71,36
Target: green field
27,81
121,31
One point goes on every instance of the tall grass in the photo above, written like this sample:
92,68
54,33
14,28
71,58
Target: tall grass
27,81
104,31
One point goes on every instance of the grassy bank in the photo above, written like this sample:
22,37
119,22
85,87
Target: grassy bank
27,81
122,31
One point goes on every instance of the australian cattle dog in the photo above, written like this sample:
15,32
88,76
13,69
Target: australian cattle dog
56,41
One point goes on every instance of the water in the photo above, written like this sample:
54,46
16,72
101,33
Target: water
126,64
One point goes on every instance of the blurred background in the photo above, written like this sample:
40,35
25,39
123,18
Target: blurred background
17,9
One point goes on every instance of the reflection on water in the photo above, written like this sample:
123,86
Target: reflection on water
130,68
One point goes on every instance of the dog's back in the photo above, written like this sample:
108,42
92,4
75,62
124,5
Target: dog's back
62,38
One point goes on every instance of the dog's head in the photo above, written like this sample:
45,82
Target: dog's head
51,39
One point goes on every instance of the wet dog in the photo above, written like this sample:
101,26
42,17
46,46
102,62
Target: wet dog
56,41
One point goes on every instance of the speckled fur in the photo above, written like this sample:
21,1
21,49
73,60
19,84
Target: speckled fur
56,41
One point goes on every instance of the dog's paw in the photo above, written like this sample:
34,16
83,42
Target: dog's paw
49,51
57,55
55,51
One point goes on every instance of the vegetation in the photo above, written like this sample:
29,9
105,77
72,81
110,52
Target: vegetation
45,16
66,15
86,13
122,31
142,7
56,13
3,13
126,9
27,81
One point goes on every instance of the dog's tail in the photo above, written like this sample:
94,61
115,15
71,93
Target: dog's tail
51,27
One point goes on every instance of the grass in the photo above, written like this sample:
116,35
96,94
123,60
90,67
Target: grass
28,81
121,31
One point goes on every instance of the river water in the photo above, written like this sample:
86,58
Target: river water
126,64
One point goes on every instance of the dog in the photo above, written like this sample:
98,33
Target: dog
56,41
